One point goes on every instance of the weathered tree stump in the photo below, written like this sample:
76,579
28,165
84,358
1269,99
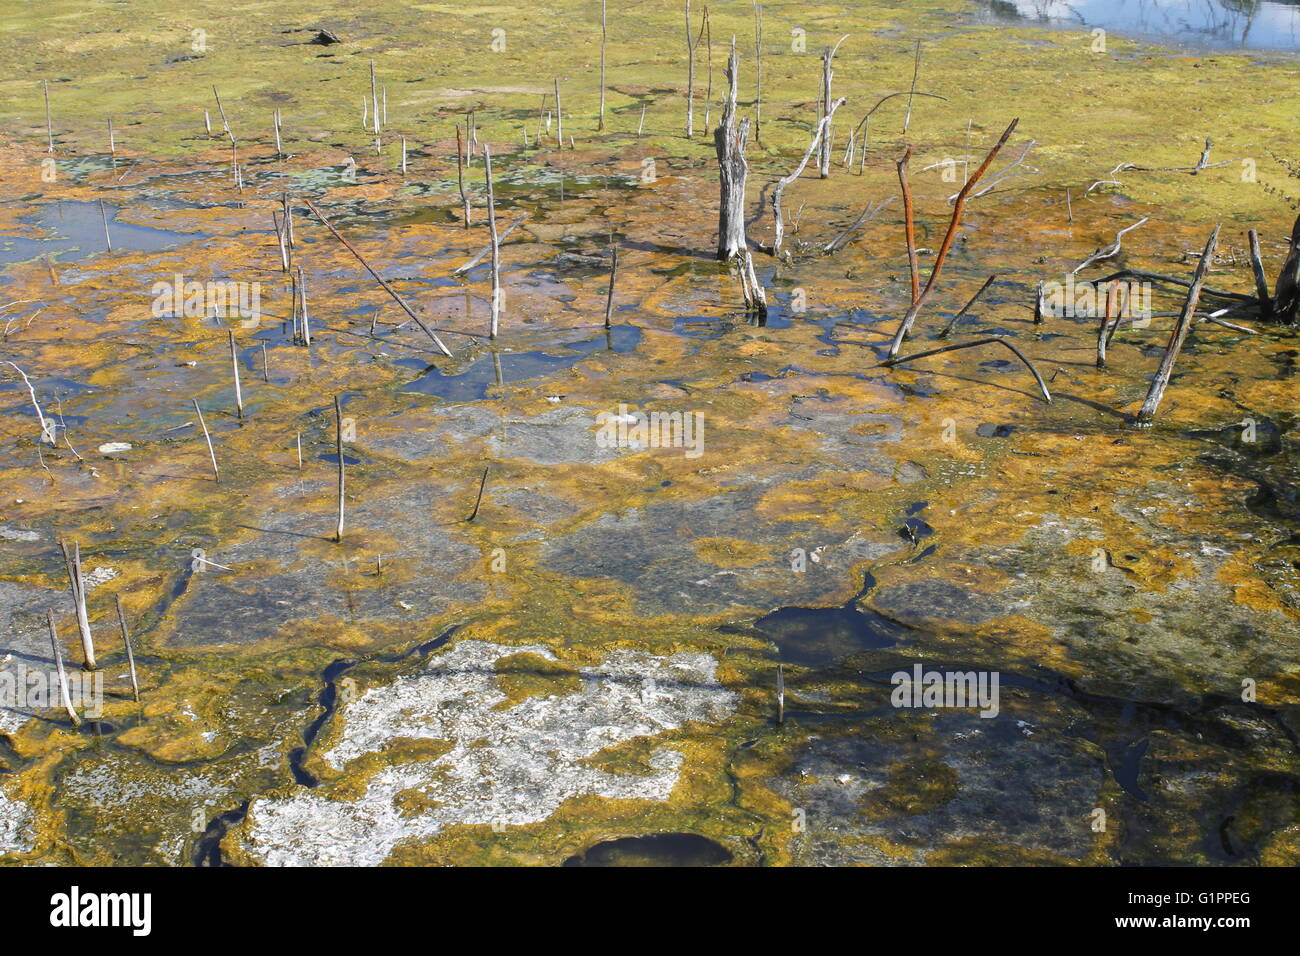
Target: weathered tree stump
1286,295
731,141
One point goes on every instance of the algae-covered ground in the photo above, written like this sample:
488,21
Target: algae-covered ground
587,672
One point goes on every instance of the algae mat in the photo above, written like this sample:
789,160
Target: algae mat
578,560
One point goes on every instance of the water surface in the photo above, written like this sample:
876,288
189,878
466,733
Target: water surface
1229,24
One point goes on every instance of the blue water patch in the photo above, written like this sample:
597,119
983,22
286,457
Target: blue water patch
76,230
1229,24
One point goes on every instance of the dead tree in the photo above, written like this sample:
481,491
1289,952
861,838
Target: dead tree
690,72
818,137
731,141
824,153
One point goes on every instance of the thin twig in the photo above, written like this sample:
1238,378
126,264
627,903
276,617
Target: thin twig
482,482
63,677
126,640
1108,251
952,323
909,228
216,474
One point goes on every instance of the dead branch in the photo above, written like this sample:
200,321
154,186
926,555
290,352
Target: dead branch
958,207
1047,396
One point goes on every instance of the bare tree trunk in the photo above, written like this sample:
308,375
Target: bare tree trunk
601,126
758,72
733,170
690,76
559,116
496,243
824,152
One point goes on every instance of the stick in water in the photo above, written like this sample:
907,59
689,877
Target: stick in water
966,308
482,482
1047,396
49,127
559,115
460,173
216,475
48,425
338,447
496,248
909,226
225,126
613,273
758,69
126,640
103,214
959,206
1261,283
374,99
302,303
1179,334
234,366
1102,337
690,76
386,287
63,677
77,585
601,126
916,72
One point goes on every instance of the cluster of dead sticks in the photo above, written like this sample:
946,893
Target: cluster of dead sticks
731,139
